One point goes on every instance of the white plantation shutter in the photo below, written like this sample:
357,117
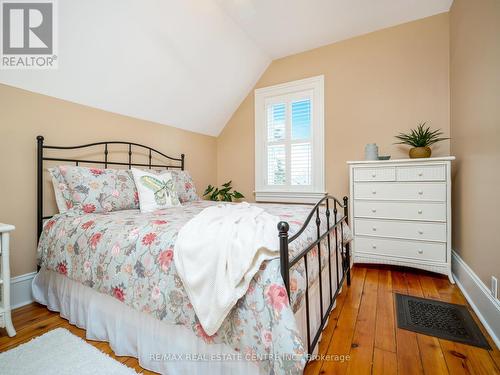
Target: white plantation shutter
300,153
301,119
276,164
276,122
301,164
289,141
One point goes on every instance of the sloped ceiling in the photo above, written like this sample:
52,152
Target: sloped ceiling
285,27
189,63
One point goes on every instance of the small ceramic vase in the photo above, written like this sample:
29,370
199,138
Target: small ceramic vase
371,151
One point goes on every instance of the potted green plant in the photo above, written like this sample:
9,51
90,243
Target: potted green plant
224,193
420,139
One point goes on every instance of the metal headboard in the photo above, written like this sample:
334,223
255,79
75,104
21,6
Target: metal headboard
151,154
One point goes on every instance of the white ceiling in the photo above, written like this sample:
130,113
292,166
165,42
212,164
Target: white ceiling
189,63
285,27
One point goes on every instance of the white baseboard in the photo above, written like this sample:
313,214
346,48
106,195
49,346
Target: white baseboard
20,290
486,307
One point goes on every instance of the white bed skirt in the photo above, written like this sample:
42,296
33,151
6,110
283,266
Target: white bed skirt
159,346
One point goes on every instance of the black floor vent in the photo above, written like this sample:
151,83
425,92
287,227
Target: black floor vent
440,319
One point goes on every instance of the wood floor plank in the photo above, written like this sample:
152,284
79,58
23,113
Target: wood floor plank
465,359
398,279
27,333
314,367
385,334
431,354
408,353
340,343
134,363
428,287
384,362
32,316
447,291
352,323
481,361
364,332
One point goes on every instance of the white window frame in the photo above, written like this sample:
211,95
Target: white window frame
293,194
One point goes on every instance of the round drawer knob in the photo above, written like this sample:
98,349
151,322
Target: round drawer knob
374,229
374,210
374,175
420,232
420,192
374,246
420,174
420,251
374,192
420,212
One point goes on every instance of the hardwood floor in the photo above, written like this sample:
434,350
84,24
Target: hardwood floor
364,327
361,338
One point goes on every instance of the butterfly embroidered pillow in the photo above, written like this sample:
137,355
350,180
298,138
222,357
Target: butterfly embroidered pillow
156,190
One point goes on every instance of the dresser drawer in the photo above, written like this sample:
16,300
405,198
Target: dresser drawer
430,251
414,230
401,191
400,210
375,174
421,173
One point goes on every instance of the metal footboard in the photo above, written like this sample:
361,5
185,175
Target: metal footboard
342,274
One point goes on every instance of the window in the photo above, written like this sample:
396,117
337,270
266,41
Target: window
289,141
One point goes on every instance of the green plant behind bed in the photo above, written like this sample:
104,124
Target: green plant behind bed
224,193
421,136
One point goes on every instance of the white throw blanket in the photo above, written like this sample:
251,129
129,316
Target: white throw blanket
218,252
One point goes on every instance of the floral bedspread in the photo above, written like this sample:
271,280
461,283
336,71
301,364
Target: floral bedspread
129,256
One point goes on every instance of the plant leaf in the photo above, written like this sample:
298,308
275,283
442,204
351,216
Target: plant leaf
238,195
208,190
223,194
422,136
215,195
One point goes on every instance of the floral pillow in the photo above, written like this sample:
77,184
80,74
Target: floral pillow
184,186
100,190
156,190
62,193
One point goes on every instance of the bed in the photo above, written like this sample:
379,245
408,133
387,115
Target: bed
112,274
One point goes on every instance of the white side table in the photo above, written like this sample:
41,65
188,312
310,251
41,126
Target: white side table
5,318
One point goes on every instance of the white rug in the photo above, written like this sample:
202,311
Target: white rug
59,352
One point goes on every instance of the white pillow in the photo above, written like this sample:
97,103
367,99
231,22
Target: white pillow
156,190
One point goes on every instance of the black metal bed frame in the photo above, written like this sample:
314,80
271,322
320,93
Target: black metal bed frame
152,153
342,274
345,270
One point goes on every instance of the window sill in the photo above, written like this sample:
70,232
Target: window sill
288,197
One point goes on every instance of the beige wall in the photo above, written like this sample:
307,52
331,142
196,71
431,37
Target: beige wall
475,131
24,115
375,86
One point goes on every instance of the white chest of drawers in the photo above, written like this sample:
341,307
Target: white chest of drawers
401,213
5,316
